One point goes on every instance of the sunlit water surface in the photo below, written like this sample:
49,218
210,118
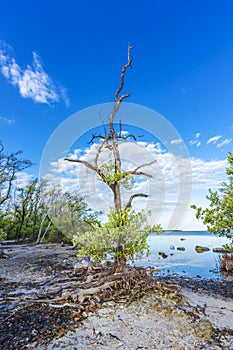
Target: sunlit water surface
187,263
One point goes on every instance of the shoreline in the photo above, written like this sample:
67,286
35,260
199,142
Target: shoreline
217,309
151,316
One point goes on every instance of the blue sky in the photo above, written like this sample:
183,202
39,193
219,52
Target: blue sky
59,57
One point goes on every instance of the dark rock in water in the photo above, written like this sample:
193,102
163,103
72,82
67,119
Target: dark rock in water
183,239
198,275
220,250
200,249
181,248
163,255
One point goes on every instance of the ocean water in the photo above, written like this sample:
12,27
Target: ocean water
187,263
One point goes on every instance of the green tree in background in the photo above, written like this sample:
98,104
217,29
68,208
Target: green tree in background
3,235
218,217
27,211
10,165
62,213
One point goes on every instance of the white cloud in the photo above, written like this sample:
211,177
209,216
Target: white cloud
124,132
197,135
171,176
214,139
6,121
176,142
22,179
195,143
207,174
223,143
32,82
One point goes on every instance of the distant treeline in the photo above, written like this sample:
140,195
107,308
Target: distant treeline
37,210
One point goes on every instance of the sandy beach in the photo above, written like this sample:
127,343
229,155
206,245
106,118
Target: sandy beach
192,320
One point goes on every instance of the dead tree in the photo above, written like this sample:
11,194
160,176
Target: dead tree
111,140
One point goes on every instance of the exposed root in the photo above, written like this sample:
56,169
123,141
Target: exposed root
114,284
227,262
95,285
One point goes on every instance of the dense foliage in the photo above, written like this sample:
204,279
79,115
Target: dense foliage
125,229
219,215
35,210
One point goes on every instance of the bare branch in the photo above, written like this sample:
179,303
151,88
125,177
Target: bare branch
129,136
122,78
120,123
143,165
120,137
129,203
118,99
92,167
87,164
94,136
140,173
104,144
136,172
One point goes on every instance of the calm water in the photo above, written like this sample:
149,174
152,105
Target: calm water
184,263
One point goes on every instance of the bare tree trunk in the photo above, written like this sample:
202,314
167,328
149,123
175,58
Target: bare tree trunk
117,196
119,261
41,227
46,230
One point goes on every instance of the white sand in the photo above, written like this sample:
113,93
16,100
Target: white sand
218,310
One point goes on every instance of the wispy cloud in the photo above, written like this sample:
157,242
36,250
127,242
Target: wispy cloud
32,82
6,121
224,143
214,139
195,143
176,142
